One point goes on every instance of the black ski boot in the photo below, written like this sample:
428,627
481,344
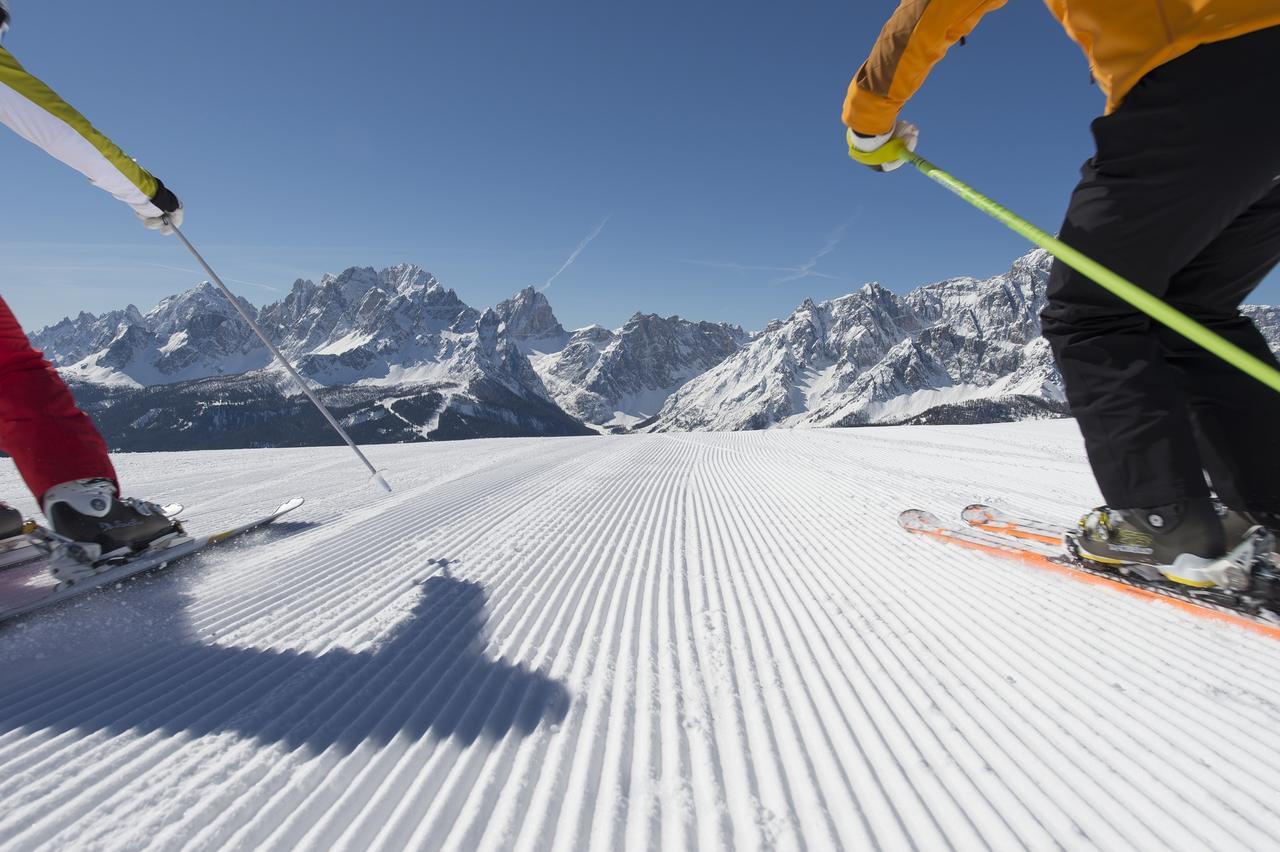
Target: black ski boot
10,521
1156,536
1236,523
93,525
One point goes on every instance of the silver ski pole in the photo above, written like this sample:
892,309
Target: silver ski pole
284,362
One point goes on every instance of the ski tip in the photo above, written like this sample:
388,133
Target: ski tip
978,513
290,505
918,519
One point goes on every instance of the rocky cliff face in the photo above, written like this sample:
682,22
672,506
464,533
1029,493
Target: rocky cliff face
620,378
1267,318
530,321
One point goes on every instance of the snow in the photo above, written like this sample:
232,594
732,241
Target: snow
176,341
349,341
143,371
543,347
90,372
653,641
635,407
812,384
918,402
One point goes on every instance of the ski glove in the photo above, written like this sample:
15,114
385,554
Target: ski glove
883,152
168,204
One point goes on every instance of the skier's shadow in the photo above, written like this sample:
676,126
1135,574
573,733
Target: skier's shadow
428,676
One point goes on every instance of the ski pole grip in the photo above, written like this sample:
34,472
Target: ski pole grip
890,152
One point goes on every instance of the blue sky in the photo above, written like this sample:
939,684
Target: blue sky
487,141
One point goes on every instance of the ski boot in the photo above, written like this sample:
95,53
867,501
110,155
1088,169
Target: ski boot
1237,523
1261,530
15,546
13,530
93,527
1183,543
11,523
1150,541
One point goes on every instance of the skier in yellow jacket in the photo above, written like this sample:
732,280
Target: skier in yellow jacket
1183,199
55,445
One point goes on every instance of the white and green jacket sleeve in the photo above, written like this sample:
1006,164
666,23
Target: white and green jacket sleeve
36,113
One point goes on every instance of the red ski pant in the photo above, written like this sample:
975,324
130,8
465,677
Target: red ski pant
51,440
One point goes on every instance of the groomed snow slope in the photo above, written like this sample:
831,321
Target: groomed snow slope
657,641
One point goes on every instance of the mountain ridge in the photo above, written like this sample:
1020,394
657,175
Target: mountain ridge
408,359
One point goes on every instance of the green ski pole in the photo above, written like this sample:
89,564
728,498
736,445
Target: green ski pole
1119,286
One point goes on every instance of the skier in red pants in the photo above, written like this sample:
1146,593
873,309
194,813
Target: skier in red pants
55,445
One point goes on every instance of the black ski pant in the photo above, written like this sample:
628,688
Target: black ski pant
1183,199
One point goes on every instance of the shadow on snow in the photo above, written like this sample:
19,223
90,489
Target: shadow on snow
429,676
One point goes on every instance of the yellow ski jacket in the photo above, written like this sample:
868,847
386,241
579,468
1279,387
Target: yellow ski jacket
1122,39
36,113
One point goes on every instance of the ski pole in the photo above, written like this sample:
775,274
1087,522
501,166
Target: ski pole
1121,287
284,362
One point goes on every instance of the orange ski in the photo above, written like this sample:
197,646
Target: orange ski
1038,553
995,521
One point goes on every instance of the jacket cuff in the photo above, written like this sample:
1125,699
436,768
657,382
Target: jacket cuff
164,199
867,114
867,144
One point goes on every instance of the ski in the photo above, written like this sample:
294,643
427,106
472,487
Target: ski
993,520
1251,612
16,551
29,587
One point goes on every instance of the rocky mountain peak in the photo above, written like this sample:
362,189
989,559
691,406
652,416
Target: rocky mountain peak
176,313
406,277
616,379
528,317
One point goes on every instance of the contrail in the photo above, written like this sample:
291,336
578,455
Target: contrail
582,245
197,272
805,270
793,273
744,267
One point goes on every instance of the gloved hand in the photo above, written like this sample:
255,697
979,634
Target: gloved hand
169,205
884,152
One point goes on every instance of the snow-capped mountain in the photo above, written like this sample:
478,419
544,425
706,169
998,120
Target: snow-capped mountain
624,377
70,340
615,378
1267,319
370,326
530,322
412,359
874,357
962,350
189,336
